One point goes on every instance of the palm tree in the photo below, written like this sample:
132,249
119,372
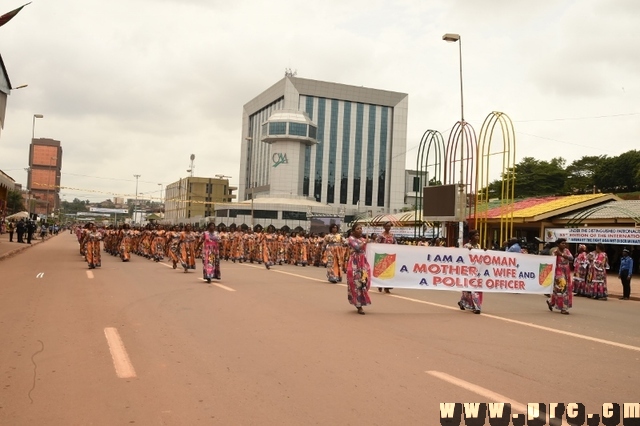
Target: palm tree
15,202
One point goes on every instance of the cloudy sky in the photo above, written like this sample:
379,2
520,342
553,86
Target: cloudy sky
137,86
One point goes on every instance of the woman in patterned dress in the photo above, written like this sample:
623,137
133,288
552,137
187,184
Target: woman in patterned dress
187,249
472,300
562,296
386,237
124,243
210,245
334,253
599,268
358,270
580,271
269,247
173,245
93,238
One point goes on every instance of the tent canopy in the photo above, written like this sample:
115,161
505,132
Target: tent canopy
20,215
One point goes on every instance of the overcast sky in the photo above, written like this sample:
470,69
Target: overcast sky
137,86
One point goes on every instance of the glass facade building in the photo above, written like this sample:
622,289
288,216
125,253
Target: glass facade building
359,160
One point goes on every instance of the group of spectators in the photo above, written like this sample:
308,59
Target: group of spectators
25,229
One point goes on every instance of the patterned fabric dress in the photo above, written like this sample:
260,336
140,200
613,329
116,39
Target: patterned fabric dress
125,245
471,300
173,247
334,254
562,296
358,273
93,249
581,269
210,255
187,249
599,275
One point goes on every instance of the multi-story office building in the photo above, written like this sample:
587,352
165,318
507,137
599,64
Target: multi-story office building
195,197
45,164
358,162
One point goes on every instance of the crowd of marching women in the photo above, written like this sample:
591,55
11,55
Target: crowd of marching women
584,275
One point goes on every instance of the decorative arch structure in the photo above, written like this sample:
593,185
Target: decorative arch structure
487,148
431,156
461,158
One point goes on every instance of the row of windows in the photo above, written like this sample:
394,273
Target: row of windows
346,146
262,214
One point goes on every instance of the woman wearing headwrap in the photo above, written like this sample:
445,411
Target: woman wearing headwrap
580,271
562,297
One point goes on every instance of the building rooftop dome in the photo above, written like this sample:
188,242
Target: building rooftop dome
287,124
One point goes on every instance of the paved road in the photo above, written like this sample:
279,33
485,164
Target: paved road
283,347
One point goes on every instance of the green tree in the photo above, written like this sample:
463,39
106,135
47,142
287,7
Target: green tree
619,174
539,178
74,207
581,174
15,202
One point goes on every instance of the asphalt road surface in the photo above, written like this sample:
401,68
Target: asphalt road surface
141,343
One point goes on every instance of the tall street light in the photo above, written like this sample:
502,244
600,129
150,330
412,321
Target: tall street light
161,191
249,140
33,126
135,206
452,38
51,159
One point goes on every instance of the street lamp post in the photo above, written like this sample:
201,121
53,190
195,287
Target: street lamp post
161,191
452,38
51,159
135,205
249,140
33,126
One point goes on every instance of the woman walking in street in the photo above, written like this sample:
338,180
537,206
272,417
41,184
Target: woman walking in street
210,245
386,237
187,249
472,300
599,268
358,270
92,242
580,271
334,253
562,296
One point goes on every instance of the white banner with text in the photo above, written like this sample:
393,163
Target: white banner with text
443,268
622,236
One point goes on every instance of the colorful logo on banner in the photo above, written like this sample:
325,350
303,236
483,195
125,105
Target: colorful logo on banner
384,266
544,277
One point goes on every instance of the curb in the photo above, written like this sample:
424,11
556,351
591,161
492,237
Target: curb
18,250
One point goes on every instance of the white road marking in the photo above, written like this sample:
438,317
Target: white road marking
216,284
483,392
90,275
286,273
224,287
40,275
121,361
526,324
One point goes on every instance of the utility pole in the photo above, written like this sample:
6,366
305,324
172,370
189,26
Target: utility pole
135,206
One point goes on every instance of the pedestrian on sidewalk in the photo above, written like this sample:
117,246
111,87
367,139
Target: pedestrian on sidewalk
11,227
31,228
20,228
626,270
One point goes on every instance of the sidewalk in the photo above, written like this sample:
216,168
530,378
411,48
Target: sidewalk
614,286
8,249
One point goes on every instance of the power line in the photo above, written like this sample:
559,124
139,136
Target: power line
578,118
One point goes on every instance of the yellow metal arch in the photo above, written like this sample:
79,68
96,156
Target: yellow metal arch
483,174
